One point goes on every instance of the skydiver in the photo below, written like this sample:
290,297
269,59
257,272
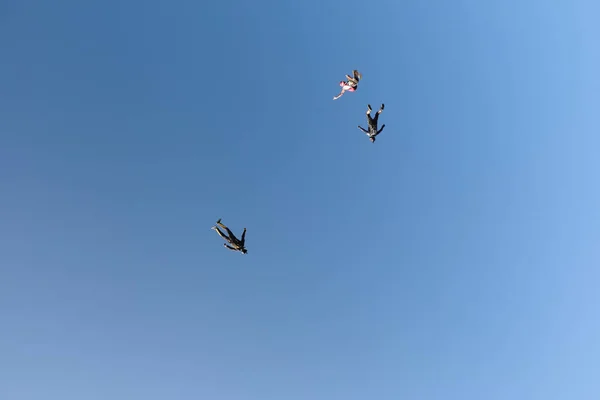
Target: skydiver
372,132
350,85
236,245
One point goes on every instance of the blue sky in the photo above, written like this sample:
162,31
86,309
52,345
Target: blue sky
455,258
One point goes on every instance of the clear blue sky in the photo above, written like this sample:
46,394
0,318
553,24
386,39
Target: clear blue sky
455,258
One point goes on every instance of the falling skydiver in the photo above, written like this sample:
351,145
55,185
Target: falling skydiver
236,245
351,85
372,132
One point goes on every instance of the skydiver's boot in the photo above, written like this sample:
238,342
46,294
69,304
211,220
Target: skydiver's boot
381,109
369,109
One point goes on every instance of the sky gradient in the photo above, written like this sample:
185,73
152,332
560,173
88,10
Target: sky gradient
454,259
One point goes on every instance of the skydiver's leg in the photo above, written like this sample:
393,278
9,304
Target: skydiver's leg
381,108
222,225
339,95
374,119
221,233
226,228
353,80
231,235
231,238
369,118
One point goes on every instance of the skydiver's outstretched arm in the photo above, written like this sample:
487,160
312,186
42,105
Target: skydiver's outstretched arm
379,131
363,129
229,247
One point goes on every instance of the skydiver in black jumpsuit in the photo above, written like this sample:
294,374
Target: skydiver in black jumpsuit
236,245
372,132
